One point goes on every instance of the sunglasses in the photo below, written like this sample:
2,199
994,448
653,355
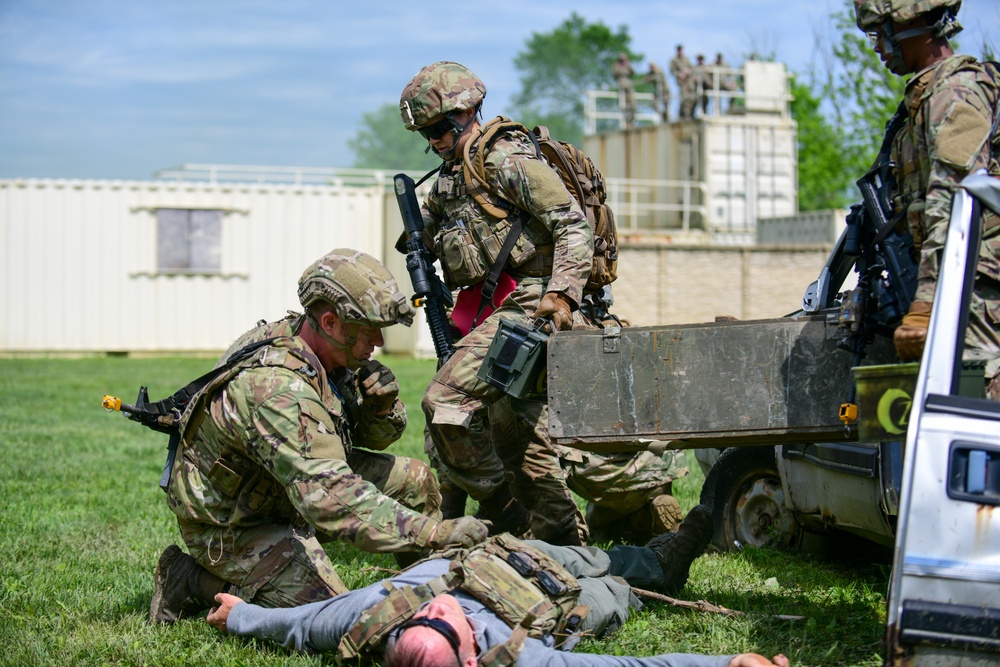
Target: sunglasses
444,628
438,129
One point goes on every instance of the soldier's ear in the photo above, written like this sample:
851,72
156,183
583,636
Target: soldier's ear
329,321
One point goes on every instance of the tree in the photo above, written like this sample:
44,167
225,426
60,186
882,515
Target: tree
382,142
841,114
864,94
823,180
558,67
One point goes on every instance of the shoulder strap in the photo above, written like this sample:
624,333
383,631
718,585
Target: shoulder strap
474,164
475,177
170,409
374,625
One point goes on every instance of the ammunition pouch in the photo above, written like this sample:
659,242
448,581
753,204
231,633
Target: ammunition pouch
516,361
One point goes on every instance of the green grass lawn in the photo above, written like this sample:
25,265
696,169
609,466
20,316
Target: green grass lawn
82,522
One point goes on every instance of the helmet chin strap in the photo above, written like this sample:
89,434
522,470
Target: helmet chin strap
347,347
891,40
457,129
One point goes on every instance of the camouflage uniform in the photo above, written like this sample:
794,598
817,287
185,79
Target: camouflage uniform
950,108
680,69
454,219
702,83
628,495
553,254
268,469
623,73
661,91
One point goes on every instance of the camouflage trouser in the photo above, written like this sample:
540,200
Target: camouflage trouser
606,578
982,337
285,565
629,495
459,409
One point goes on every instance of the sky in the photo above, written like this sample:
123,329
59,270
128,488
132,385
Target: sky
118,89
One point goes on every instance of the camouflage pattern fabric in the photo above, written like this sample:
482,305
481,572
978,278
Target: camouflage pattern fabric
951,107
535,470
623,73
466,239
869,14
438,89
269,467
629,495
661,91
681,70
358,286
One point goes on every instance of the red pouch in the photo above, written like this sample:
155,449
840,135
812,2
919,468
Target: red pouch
467,304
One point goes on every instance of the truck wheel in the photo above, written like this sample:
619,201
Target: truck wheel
748,503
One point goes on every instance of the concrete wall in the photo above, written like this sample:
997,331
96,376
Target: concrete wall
668,284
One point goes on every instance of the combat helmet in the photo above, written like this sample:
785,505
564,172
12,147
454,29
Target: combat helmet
875,15
360,289
439,89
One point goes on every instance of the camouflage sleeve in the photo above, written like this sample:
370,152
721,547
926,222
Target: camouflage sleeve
293,436
956,126
379,432
532,185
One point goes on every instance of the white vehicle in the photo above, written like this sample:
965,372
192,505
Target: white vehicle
944,595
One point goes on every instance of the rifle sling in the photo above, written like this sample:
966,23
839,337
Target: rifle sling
490,284
178,402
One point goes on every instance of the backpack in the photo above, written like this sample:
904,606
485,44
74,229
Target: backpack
583,180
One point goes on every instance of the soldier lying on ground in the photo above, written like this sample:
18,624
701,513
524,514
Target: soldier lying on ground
269,464
445,611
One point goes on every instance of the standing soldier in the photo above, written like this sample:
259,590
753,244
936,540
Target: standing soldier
703,83
549,264
623,72
661,91
680,69
727,81
948,130
269,464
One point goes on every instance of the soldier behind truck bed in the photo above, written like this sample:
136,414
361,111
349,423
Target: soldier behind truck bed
949,131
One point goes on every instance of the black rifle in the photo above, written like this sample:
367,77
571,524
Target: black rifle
164,416
428,290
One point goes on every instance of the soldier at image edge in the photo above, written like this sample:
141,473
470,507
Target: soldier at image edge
949,129
270,464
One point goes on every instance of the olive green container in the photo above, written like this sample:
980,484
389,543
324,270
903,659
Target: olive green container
885,397
516,361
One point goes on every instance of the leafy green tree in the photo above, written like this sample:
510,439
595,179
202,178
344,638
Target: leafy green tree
841,114
823,180
862,92
558,67
383,143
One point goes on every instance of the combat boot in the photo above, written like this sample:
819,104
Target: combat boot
504,514
676,551
666,514
180,585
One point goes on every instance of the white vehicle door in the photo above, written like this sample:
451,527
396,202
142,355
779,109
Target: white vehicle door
944,595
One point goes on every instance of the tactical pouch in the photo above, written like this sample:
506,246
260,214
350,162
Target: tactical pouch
516,361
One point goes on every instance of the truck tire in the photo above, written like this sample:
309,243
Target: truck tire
747,500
